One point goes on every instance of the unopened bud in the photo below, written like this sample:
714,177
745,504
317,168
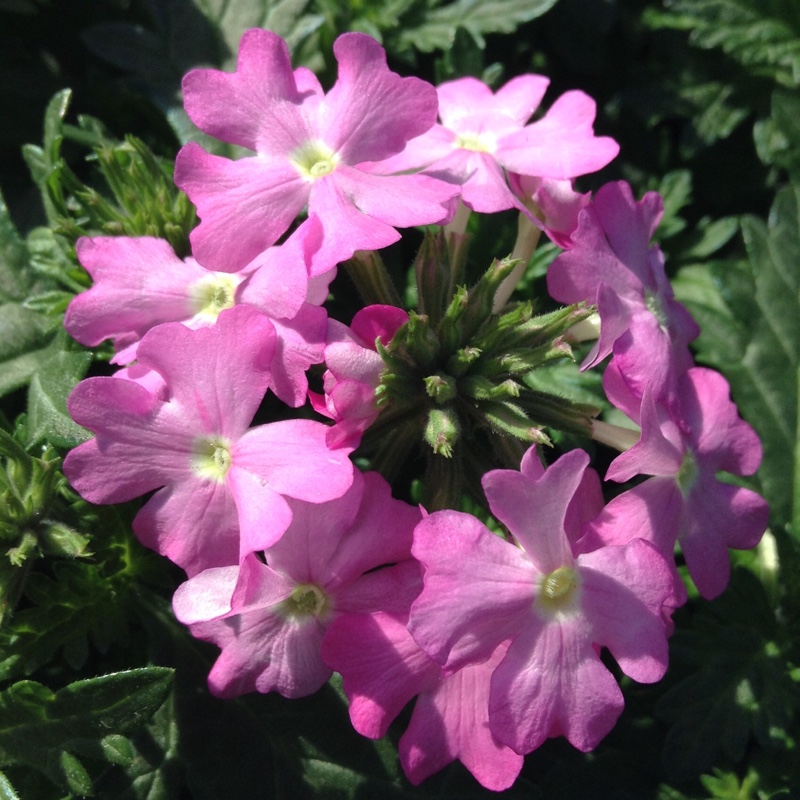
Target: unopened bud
442,431
441,387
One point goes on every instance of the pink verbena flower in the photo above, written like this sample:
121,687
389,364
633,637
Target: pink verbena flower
555,605
482,134
383,669
556,205
140,283
221,486
308,147
354,370
612,264
685,446
269,618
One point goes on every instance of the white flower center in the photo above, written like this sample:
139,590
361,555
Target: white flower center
314,160
212,294
478,142
211,458
306,600
558,592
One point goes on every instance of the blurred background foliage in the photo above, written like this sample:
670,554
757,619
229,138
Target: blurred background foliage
702,96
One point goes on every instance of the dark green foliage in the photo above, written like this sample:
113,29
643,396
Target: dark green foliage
701,95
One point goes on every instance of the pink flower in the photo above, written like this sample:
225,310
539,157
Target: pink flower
555,605
140,283
308,148
269,618
354,370
557,205
482,134
223,486
612,264
383,669
685,447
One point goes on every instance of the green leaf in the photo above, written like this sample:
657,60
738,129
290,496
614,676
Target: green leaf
6,789
48,418
478,17
778,137
25,344
738,685
40,728
764,35
14,281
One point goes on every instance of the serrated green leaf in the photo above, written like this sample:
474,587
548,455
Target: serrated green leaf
777,138
6,789
48,419
25,344
478,17
738,687
14,282
764,35
35,720
40,728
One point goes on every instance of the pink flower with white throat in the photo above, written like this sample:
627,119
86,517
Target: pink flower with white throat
556,605
222,486
612,264
684,447
308,146
269,617
484,134
140,283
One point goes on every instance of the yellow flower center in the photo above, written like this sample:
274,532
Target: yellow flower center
211,458
558,591
212,294
314,160
478,142
307,600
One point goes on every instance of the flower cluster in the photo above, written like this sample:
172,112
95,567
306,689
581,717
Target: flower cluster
298,563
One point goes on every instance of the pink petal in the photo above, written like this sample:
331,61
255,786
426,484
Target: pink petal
138,283
238,107
402,201
292,458
206,595
371,112
364,529
221,394
142,443
477,587
382,668
460,98
262,651
193,523
552,683
719,516
720,435
513,497
451,721
623,591
264,515
561,145
300,342
520,97
245,205
652,510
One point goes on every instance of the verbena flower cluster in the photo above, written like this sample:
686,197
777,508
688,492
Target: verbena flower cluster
299,564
